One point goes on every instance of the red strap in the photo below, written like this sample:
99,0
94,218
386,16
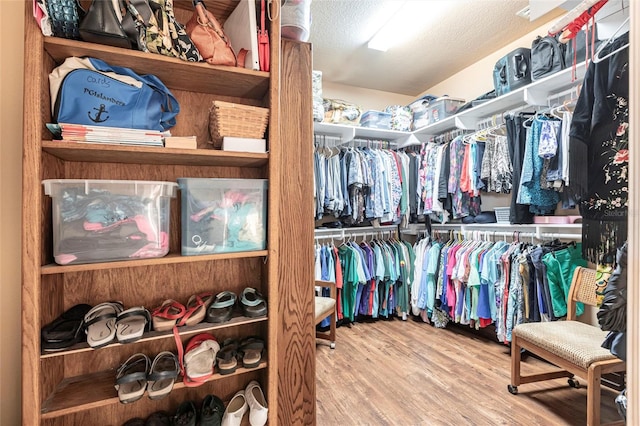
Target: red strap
176,336
571,30
263,40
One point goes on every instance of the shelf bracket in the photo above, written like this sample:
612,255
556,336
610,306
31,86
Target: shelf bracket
466,122
536,97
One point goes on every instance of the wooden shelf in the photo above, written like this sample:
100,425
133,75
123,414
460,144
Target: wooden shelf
169,259
175,73
75,394
157,335
104,153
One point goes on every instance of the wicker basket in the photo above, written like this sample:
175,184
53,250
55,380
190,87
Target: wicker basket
237,120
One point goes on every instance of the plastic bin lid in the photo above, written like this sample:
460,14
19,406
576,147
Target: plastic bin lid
169,188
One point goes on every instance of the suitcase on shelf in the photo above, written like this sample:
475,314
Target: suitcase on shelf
512,71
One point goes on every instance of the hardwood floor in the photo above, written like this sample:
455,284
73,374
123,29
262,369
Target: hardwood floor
411,373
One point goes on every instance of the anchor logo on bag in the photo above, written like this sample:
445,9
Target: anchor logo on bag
98,117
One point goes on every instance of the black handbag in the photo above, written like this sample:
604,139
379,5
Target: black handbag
512,71
104,25
547,56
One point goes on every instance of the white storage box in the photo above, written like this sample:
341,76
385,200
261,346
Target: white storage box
502,214
107,220
223,215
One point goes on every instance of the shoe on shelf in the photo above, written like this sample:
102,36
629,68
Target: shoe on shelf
186,414
199,359
196,309
131,378
235,410
166,315
158,418
250,351
222,307
66,330
132,323
211,411
227,357
100,323
257,404
253,304
163,373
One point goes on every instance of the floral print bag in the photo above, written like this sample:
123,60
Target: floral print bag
163,33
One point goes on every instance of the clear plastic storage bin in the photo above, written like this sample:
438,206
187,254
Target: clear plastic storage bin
108,220
443,108
223,215
376,120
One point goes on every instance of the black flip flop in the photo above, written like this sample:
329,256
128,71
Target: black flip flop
222,307
226,358
253,304
251,351
66,330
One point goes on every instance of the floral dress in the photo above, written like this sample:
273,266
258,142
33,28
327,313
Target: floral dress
599,153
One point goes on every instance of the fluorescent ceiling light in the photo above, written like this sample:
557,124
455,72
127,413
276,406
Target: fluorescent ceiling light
408,20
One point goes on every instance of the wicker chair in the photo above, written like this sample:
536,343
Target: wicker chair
326,307
573,346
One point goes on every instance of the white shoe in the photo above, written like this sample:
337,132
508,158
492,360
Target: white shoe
257,404
235,410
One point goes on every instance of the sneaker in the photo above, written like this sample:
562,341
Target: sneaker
257,404
235,410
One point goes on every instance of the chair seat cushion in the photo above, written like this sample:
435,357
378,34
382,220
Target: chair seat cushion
574,341
324,307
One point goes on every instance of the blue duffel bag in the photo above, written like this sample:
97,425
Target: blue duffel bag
91,92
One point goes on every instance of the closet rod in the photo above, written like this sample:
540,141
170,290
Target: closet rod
324,234
514,234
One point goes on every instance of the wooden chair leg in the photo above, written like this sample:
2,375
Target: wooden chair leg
593,396
516,354
332,330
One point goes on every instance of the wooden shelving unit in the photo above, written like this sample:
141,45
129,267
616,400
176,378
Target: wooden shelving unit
76,386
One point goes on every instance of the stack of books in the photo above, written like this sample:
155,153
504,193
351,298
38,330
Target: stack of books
107,135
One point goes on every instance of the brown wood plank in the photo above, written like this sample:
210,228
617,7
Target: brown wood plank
168,259
175,73
94,390
296,337
33,385
103,153
408,372
202,327
220,8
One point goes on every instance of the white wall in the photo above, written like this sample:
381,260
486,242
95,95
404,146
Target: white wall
11,70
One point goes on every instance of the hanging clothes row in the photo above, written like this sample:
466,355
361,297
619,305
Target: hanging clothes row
372,277
358,184
479,282
525,155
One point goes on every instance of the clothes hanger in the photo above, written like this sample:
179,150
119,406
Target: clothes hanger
596,56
